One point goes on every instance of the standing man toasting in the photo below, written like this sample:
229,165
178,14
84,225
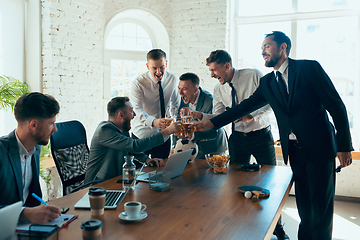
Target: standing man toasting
301,94
152,94
251,134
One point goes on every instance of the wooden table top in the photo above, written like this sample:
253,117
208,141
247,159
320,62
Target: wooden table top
199,205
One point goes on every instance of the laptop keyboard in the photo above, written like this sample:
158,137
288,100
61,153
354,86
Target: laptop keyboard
113,197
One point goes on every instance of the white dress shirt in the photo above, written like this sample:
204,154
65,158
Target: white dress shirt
285,74
245,82
146,102
192,106
26,169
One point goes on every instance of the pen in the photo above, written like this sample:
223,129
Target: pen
39,198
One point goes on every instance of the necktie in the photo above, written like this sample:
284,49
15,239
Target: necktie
233,95
282,87
233,102
162,103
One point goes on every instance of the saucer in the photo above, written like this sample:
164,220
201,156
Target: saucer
125,217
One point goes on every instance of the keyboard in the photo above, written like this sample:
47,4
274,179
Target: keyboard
113,198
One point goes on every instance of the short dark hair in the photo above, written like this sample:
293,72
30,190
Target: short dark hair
156,54
35,105
220,57
279,38
192,77
116,104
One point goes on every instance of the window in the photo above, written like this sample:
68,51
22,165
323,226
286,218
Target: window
128,38
325,30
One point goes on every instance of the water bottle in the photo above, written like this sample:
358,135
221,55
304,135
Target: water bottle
128,173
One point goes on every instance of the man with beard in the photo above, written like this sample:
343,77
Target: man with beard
111,142
196,98
35,114
153,94
251,134
301,94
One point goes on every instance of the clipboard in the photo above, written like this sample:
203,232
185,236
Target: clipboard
60,222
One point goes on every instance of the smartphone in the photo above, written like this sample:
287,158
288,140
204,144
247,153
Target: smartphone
64,209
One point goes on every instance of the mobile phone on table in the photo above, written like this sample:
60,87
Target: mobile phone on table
64,209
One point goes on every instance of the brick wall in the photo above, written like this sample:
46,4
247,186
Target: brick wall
73,35
72,43
198,28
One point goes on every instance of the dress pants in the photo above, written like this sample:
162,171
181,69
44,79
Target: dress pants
314,192
258,143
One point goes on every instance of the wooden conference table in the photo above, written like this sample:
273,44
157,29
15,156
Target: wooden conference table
199,205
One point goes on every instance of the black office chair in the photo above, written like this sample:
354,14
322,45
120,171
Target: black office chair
71,155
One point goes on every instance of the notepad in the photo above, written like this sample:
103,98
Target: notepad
61,222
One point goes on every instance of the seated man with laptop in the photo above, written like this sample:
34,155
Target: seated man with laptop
111,142
35,114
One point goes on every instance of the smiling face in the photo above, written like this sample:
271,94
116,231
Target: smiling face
187,91
157,68
128,115
221,72
273,54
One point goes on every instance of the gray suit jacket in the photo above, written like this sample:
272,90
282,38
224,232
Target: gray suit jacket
211,140
11,183
109,146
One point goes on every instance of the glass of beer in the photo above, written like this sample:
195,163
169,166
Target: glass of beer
188,129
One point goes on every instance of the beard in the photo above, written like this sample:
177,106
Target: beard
41,139
273,61
127,125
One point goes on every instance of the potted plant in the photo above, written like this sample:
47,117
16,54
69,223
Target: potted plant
10,90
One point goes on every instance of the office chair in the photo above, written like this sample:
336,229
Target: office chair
71,155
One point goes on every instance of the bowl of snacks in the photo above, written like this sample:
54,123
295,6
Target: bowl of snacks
217,161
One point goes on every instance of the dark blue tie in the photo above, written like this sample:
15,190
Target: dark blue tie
162,103
282,87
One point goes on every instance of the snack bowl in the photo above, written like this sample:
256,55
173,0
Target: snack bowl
212,157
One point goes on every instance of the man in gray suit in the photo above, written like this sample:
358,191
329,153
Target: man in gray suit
111,142
35,114
196,98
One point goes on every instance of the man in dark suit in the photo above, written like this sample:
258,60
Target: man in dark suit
20,152
111,142
301,97
193,96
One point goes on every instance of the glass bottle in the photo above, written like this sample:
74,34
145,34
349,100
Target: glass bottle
128,173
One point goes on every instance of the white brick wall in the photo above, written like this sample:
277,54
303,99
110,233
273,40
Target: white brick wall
72,36
198,28
72,50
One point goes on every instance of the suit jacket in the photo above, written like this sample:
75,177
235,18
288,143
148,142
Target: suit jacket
210,140
311,95
108,147
11,182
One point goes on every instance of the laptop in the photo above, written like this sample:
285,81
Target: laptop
112,200
9,217
175,164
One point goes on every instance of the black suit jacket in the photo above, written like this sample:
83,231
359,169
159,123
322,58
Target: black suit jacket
211,140
11,184
311,95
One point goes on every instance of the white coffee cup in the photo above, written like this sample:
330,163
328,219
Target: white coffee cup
133,209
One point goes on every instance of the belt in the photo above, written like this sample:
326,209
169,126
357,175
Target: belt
254,133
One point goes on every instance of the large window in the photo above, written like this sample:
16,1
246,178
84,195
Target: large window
126,47
325,30
129,35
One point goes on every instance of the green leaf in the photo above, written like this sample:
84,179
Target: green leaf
10,90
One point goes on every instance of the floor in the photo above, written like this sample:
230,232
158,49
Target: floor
346,220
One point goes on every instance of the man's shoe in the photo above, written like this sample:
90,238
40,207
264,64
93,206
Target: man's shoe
280,233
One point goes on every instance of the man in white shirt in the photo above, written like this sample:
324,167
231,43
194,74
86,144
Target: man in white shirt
251,134
147,91
20,153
